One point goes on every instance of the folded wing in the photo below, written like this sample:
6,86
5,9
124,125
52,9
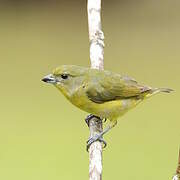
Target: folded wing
106,86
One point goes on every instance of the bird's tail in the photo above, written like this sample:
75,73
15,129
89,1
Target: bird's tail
154,91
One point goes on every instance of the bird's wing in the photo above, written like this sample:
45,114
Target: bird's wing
110,86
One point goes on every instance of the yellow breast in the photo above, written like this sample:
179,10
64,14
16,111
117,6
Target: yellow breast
110,109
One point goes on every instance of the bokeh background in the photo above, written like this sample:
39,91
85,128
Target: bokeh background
43,136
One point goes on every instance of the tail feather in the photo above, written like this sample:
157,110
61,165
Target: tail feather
166,90
154,91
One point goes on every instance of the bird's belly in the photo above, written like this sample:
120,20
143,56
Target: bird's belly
110,109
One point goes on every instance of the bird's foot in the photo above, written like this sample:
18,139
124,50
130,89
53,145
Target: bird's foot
89,117
97,137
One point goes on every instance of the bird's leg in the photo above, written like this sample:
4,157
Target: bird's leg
95,123
100,135
89,117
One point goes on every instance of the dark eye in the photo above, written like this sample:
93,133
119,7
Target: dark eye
64,76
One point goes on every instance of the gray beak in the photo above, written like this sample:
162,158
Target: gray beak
49,79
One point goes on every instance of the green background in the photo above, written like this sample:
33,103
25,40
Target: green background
43,136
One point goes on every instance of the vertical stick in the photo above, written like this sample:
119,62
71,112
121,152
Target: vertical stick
96,38
177,175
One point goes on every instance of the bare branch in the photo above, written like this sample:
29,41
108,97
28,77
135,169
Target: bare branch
177,175
95,151
178,168
96,38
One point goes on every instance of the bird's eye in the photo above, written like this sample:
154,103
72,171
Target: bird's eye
64,76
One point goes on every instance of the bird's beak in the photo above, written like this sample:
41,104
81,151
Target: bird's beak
49,79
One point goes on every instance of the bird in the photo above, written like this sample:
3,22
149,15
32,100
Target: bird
103,94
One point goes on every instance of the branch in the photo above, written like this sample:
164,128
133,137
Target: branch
96,38
177,175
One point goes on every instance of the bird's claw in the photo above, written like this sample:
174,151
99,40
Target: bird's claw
95,138
89,117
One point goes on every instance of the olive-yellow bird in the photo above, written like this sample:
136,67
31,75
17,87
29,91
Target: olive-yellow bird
104,94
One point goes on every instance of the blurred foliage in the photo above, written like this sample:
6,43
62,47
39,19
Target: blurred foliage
42,135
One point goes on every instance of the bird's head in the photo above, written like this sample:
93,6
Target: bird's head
66,78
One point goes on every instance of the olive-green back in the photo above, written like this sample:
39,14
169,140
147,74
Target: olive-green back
107,86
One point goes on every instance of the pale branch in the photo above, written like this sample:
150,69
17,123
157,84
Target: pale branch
96,38
96,35
177,175
95,151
